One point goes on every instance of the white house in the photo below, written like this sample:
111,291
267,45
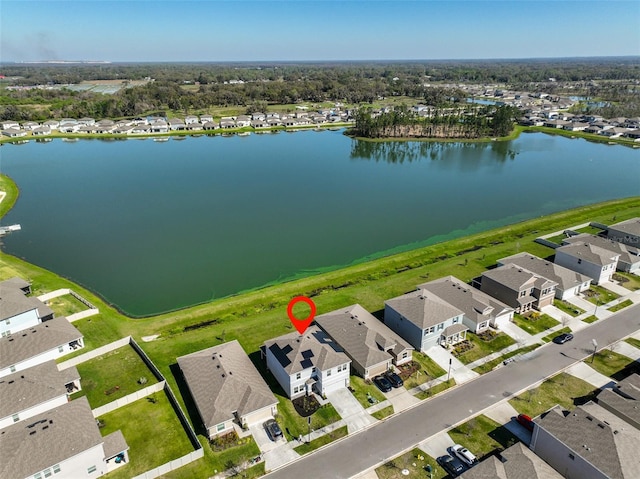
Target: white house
44,342
17,311
27,393
311,362
597,263
629,259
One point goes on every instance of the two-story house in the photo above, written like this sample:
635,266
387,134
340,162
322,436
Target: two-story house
518,288
372,347
307,363
629,259
593,261
424,320
627,232
17,311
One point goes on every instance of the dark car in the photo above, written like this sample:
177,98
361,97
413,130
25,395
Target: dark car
525,421
273,429
395,380
563,338
383,384
452,465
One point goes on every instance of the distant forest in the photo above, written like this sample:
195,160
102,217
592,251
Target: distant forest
185,88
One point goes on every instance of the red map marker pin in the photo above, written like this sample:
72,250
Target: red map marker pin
301,324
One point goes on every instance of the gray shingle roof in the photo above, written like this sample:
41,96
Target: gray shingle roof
589,252
364,339
47,439
222,379
564,277
114,444
628,254
315,348
14,302
631,226
590,431
25,389
46,336
517,278
423,308
476,305
518,462
624,400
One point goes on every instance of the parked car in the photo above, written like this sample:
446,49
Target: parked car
395,380
273,429
383,384
451,465
464,454
525,421
563,338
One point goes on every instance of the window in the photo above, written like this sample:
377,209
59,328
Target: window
405,354
440,326
37,475
13,368
61,349
220,427
571,456
482,325
523,293
579,261
313,369
298,375
455,320
15,417
56,469
48,473
432,329
328,372
91,469
6,333
7,322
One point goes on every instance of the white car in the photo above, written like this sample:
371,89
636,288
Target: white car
464,454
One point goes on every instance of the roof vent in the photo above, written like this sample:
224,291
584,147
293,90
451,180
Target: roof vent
589,418
45,427
616,431
50,421
32,433
217,366
601,426
223,375
11,382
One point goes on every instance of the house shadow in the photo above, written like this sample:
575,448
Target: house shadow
189,404
632,368
379,315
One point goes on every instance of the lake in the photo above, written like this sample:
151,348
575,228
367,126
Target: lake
155,226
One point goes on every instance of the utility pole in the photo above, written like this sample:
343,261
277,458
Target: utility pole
449,373
595,347
309,424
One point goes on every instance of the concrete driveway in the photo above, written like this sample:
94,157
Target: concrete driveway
263,440
437,445
350,410
401,399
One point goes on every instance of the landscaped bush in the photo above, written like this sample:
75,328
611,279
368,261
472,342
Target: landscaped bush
226,441
462,347
487,335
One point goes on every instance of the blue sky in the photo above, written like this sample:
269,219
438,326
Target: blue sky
208,30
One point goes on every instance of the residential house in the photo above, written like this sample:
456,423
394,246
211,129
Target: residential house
40,388
140,129
591,260
176,124
515,462
556,123
64,443
569,282
274,122
424,320
6,125
159,126
227,388
633,135
52,124
629,259
87,121
30,125
205,118
588,442
623,400
243,120
615,132
14,133
227,123
210,125
518,288
194,126
38,344
259,124
307,363
191,119
17,311
41,131
258,116
576,126
372,347
627,232
480,310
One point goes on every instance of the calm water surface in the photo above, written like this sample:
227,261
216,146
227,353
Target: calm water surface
156,226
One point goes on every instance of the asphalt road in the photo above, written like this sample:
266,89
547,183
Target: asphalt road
387,439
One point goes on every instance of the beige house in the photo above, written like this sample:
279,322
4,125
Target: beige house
518,288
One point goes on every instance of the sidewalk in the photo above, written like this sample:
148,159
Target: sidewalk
444,358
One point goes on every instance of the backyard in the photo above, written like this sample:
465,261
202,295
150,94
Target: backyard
66,305
534,323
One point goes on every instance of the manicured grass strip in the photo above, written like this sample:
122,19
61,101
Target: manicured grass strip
609,362
633,342
321,441
429,370
9,187
567,307
382,413
112,376
549,337
360,388
414,461
482,348
66,305
599,295
563,389
295,425
482,435
152,431
628,280
590,319
488,366
534,325
621,305
438,388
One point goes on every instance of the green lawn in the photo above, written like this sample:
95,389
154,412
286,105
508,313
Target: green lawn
112,376
534,325
321,441
152,431
483,348
428,370
550,336
612,364
488,366
66,305
633,342
234,456
567,307
413,461
384,412
296,425
360,388
8,186
620,305
590,319
599,295
592,230
482,436
563,389
438,388
628,280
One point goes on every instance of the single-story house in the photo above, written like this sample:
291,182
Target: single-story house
591,260
46,341
205,118
176,124
629,259
226,388
17,311
480,310
307,363
372,347
210,125
41,131
518,288
627,232
424,320
14,132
